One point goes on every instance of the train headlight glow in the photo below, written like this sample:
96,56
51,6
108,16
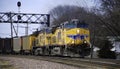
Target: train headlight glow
85,41
78,31
73,42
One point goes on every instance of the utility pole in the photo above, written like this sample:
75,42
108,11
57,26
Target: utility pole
11,23
26,30
19,17
9,16
93,41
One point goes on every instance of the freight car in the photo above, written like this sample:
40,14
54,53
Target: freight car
6,45
70,39
27,44
1,45
23,44
17,45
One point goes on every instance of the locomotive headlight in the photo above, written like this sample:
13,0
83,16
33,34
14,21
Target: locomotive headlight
78,31
85,41
73,42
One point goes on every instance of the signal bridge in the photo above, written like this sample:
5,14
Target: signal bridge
27,18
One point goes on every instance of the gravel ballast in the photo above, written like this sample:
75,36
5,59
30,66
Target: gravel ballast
24,63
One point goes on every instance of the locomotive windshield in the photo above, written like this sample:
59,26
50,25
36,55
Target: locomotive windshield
82,25
76,24
70,25
48,31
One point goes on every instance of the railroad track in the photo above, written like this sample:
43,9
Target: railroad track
77,62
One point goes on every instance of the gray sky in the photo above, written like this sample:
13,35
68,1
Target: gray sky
35,6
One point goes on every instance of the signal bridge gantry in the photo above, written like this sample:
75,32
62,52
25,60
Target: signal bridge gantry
28,18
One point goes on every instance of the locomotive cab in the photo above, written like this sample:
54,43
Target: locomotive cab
77,32
77,37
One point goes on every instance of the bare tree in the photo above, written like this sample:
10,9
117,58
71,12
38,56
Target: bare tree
60,14
111,8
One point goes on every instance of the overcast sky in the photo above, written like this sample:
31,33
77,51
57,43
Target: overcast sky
35,6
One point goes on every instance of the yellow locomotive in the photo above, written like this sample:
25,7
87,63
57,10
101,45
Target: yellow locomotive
71,38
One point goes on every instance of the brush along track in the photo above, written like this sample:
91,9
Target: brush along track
77,62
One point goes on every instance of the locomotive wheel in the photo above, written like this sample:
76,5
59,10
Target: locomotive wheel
56,51
38,51
47,51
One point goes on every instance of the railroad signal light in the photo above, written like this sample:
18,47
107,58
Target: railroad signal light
18,3
19,17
